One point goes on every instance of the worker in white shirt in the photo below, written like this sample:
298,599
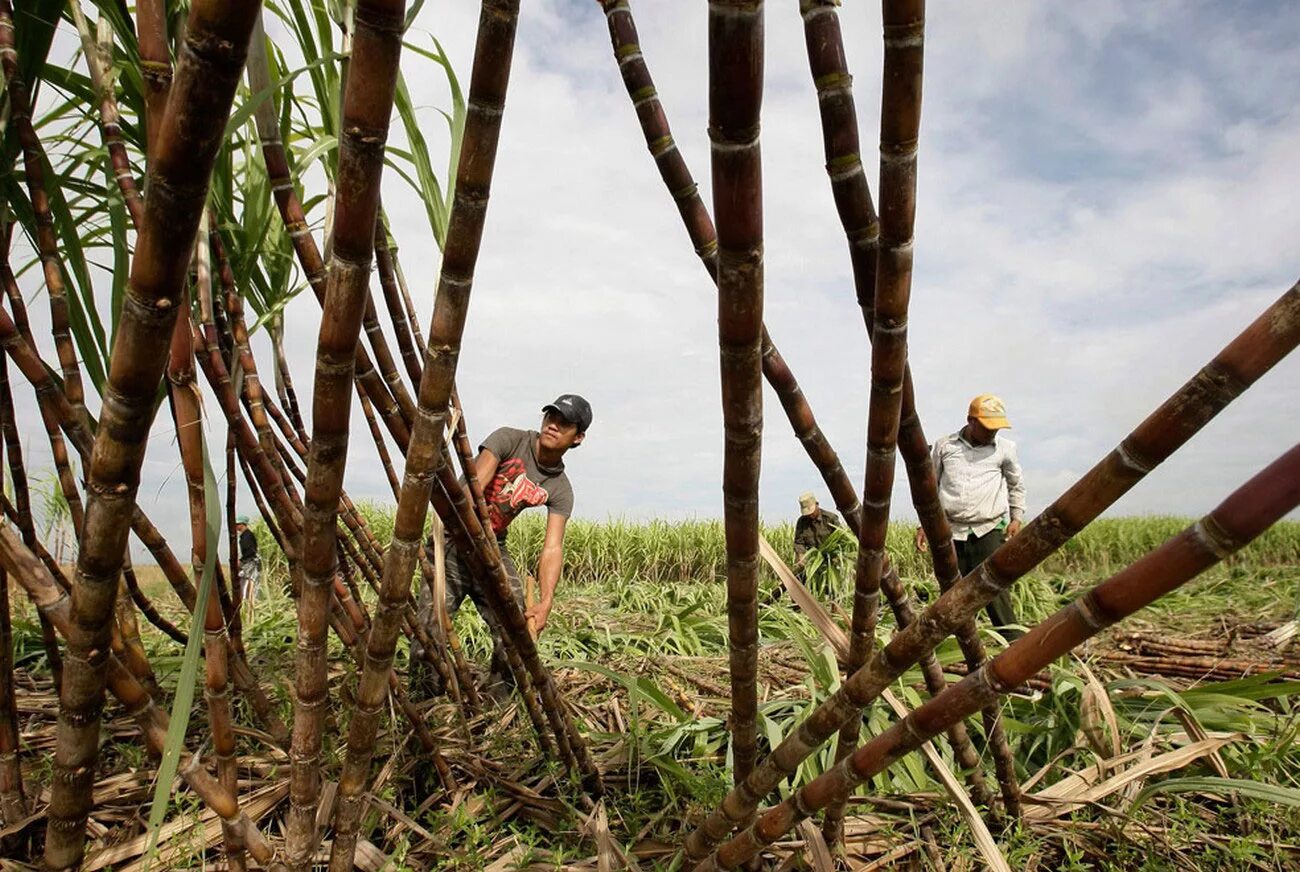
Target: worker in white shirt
982,493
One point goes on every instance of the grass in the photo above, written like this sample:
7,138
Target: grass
638,639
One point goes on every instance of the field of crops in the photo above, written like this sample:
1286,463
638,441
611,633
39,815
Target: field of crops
638,641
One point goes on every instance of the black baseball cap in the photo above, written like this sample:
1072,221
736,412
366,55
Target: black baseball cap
573,409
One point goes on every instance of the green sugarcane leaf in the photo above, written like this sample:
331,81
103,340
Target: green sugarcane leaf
183,703
1288,796
34,26
240,116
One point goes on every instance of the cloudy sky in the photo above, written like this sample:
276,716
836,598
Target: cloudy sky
1106,197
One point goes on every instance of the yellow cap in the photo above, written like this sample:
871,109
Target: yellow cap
989,411
807,503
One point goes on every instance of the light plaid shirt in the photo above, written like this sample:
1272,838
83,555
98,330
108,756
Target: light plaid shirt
978,484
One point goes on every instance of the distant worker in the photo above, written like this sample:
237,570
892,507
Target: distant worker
981,491
813,528
519,469
250,561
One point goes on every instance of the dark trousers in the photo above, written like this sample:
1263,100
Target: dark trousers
973,551
461,585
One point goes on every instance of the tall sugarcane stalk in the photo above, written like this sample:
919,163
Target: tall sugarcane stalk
1237,521
210,61
47,243
699,225
99,53
735,102
1273,335
900,123
49,598
425,452
13,804
852,195
367,106
186,412
154,44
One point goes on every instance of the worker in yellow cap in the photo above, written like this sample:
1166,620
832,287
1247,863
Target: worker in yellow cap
982,493
813,527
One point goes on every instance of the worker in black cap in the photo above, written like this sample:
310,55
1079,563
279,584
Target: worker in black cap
519,469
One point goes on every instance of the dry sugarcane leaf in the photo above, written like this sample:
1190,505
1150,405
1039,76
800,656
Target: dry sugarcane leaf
1145,752
256,805
819,855
510,860
369,858
1196,731
984,841
1097,716
806,602
1079,793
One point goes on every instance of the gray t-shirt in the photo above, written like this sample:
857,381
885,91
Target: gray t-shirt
520,481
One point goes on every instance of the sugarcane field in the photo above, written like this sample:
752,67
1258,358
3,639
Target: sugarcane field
405,467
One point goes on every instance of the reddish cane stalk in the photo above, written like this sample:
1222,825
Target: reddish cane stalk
900,122
735,101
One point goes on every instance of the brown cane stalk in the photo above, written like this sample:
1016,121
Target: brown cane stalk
47,243
13,804
50,598
735,102
394,303
187,415
1238,520
98,64
155,67
857,213
56,412
367,106
149,610
900,122
424,454
1273,335
210,63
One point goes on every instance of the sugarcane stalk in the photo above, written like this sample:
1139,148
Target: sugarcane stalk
304,245
149,610
900,122
155,67
186,412
205,82
1238,520
13,803
99,53
56,412
367,105
852,195
1273,335
394,303
51,599
735,102
47,243
424,453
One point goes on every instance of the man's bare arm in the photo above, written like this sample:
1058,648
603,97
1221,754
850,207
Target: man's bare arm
548,568
485,466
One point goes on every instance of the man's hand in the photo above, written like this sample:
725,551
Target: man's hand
921,544
537,615
1013,528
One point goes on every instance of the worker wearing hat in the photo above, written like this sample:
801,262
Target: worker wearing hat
519,469
982,493
813,527
250,561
